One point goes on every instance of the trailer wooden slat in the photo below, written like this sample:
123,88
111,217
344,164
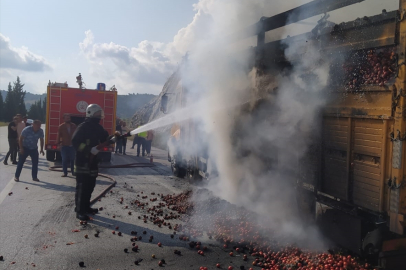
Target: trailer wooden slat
374,169
365,180
365,130
367,143
368,187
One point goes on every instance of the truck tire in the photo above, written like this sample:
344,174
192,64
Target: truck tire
178,171
194,175
50,155
58,156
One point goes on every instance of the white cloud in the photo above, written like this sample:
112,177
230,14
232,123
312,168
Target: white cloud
20,58
148,64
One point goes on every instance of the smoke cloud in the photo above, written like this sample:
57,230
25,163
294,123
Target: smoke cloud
254,154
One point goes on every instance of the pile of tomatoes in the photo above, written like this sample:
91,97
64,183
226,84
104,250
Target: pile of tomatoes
237,229
370,67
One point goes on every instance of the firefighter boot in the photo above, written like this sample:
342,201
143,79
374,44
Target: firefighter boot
82,217
93,211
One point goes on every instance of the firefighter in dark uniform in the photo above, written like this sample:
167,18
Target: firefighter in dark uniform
88,137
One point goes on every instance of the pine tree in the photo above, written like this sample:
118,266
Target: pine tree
10,107
35,111
1,108
19,92
38,110
44,110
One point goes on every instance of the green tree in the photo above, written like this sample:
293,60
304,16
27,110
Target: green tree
1,108
19,92
44,110
38,110
14,102
34,112
9,104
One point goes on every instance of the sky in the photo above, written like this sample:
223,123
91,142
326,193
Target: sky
132,44
40,40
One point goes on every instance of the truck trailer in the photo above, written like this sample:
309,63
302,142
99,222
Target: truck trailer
62,99
352,180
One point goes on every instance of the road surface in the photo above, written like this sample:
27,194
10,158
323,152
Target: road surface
37,220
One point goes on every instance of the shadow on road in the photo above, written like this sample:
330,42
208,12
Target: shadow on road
125,228
62,187
50,186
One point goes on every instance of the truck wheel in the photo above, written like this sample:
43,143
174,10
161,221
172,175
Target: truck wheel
178,171
194,175
50,155
181,172
58,156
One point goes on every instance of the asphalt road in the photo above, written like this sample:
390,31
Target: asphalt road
37,220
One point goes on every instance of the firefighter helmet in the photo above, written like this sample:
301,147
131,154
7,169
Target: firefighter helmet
94,111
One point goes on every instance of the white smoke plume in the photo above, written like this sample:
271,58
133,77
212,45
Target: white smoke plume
243,147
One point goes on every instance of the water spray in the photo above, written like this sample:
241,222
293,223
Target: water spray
196,110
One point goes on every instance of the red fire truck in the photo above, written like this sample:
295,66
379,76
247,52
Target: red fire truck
62,99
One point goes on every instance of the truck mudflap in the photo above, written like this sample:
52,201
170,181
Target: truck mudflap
393,260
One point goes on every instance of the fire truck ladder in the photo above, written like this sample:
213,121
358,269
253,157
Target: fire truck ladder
55,100
108,110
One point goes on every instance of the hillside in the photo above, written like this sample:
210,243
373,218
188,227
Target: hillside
126,104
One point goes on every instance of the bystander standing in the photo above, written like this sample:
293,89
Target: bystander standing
20,124
12,142
124,130
148,141
25,119
28,142
65,133
119,142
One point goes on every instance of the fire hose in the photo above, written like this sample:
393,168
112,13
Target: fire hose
58,168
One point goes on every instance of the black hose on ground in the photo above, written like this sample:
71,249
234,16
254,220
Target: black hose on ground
58,168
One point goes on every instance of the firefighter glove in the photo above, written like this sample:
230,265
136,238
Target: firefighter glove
94,150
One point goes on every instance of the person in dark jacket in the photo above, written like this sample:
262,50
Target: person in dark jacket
119,144
12,142
88,138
